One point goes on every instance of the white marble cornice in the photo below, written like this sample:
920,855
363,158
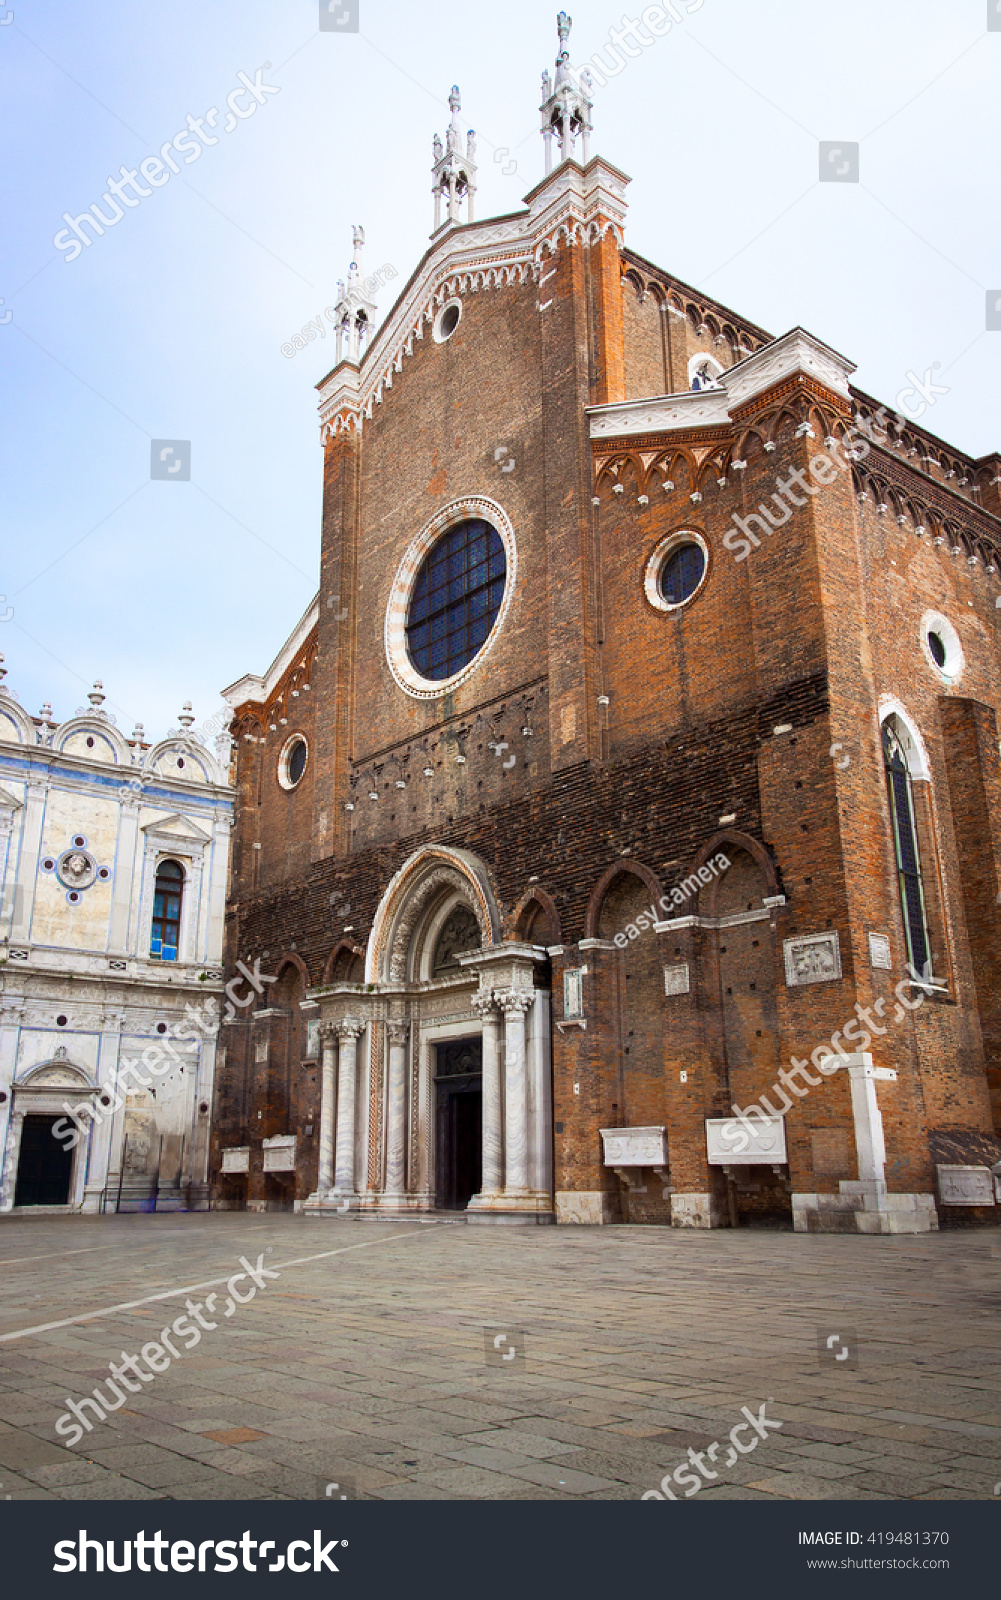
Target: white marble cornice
796,351
695,408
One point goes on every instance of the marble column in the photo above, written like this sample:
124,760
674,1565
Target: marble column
396,1109
485,1005
348,1032
514,1003
325,1172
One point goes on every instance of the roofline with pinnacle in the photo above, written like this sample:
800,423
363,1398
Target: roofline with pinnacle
575,202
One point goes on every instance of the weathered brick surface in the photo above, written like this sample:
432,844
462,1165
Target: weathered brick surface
746,722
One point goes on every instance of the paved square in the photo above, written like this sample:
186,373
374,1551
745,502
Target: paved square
362,1367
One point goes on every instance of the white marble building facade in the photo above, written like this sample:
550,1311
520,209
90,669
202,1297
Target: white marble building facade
92,978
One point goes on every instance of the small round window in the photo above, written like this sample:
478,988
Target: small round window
677,570
682,573
447,320
942,648
292,761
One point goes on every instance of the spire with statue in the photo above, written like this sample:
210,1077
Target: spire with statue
355,309
453,175
566,103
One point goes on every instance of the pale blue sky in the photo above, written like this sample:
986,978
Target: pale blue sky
171,325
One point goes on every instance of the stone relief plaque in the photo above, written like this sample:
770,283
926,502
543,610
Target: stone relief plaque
635,1147
236,1159
677,978
279,1153
965,1186
813,959
879,951
573,992
761,1141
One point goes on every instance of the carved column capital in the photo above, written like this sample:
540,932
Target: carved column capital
514,1002
397,1030
484,1004
350,1028
327,1030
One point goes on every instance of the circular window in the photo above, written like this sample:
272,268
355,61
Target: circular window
455,599
292,761
682,573
677,570
447,320
450,596
941,646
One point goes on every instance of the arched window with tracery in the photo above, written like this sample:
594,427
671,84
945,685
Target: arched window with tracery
907,849
168,892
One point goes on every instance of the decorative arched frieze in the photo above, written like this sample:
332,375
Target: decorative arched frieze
520,918
424,875
625,867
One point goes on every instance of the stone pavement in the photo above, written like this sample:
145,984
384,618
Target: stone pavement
367,1367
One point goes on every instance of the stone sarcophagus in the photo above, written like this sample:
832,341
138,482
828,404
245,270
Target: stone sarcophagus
628,1150
965,1186
758,1141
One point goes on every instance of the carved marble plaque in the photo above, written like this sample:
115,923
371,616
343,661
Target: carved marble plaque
236,1159
635,1147
813,959
965,1186
879,951
573,992
260,1050
759,1142
677,979
313,1039
279,1153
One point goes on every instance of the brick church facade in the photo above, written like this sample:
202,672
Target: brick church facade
621,825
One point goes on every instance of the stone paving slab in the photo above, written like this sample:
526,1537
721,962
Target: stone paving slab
641,1344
